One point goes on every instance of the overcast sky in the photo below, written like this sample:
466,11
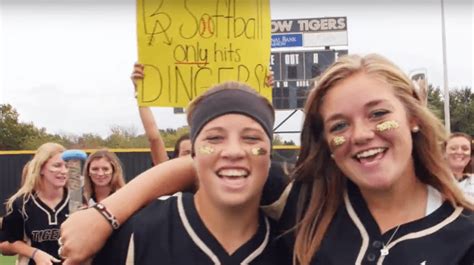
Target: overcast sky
65,65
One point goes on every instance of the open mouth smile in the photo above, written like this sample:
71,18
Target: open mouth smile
370,155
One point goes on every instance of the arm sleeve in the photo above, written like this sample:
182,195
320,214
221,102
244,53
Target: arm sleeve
13,224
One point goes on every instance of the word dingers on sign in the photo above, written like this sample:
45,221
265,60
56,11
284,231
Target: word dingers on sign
187,46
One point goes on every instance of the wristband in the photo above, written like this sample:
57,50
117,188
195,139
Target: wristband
111,219
34,253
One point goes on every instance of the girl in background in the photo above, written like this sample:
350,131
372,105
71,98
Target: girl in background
103,176
36,211
458,154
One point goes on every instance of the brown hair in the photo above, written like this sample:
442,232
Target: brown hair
323,183
183,137
117,176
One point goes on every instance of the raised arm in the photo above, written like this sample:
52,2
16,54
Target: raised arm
157,146
85,232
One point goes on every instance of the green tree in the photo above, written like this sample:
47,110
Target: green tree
14,134
462,110
435,101
461,107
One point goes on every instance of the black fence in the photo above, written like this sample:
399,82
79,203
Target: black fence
134,162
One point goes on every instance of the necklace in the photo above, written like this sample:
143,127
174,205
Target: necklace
384,251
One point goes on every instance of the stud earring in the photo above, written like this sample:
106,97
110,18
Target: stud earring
415,129
332,155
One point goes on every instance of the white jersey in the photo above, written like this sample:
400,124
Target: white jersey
467,185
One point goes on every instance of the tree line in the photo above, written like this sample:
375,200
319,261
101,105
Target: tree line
16,135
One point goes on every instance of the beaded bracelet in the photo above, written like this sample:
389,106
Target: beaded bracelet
111,219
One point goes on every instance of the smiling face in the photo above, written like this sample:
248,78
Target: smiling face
230,170
54,172
100,172
374,155
458,153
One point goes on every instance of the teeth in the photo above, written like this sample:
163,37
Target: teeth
233,173
370,152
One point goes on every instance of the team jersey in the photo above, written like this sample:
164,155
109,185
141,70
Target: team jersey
171,232
34,222
443,237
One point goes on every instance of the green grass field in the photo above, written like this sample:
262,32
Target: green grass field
7,260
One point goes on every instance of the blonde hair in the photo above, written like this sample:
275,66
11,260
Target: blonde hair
24,172
323,183
117,181
32,172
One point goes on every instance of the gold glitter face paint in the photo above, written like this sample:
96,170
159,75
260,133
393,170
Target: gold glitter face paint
258,151
205,150
338,140
386,125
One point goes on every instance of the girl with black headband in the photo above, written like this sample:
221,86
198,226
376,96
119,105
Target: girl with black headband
371,185
231,133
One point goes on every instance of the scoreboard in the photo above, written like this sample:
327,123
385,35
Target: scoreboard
294,72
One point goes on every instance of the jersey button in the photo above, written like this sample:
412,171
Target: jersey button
371,257
377,244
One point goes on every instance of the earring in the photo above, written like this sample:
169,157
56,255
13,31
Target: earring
415,129
332,155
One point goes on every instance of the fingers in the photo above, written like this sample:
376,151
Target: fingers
269,79
137,74
60,252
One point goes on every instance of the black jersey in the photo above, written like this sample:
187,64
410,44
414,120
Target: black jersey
444,237
171,232
32,221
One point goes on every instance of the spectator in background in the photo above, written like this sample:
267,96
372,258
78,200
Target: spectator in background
458,151
36,211
182,146
103,176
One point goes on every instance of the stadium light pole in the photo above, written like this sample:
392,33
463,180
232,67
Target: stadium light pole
447,117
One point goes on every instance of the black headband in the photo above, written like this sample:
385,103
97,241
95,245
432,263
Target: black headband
227,101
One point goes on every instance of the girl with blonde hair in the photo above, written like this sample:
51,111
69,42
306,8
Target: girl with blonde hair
37,209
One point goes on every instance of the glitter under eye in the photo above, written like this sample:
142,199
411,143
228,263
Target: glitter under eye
258,151
205,150
338,140
387,125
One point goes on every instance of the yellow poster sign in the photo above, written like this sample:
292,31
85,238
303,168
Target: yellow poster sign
187,46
